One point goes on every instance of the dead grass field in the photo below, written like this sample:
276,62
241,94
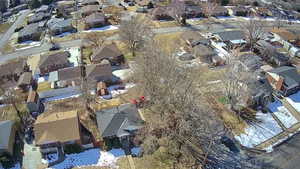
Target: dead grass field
170,41
7,48
9,113
164,24
145,162
4,27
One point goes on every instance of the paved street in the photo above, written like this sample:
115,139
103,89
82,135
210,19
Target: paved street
4,39
287,155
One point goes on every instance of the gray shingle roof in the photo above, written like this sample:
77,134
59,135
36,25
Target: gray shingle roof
59,23
231,35
29,29
290,75
5,132
118,121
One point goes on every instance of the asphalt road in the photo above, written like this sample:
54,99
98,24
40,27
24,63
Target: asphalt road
5,37
287,155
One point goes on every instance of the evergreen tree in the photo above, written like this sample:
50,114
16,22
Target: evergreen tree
34,4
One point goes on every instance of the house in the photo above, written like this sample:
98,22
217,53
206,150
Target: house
204,52
55,130
285,80
89,9
119,123
109,52
10,72
95,20
30,32
58,26
161,13
33,103
193,38
194,11
220,11
89,2
240,11
7,137
25,81
263,11
145,4
261,93
65,8
52,62
37,17
72,76
231,37
251,62
270,54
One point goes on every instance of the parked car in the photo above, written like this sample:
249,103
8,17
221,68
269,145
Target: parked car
54,47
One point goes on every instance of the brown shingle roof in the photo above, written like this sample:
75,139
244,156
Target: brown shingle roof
56,58
95,18
285,34
106,52
57,127
16,67
90,8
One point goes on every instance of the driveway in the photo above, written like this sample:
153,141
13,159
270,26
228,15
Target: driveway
4,39
32,157
285,156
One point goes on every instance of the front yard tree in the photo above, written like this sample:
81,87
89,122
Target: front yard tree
133,32
253,30
95,40
209,8
178,11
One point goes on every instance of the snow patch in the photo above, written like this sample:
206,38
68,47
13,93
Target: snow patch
116,90
101,29
294,100
258,133
92,157
282,114
135,151
63,34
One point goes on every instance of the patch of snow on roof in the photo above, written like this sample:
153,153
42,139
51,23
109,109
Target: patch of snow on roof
282,114
257,134
294,100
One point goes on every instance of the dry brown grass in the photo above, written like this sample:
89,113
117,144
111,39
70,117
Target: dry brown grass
44,86
7,48
4,27
170,41
145,162
164,24
9,113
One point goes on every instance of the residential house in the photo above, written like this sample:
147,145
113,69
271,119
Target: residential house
89,9
251,62
52,62
270,54
30,32
65,8
58,26
231,38
7,137
146,4
263,11
33,102
119,124
55,130
89,2
109,52
25,81
285,80
194,12
72,76
10,72
95,20
220,11
193,38
37,17
204,52
240,11
161,13
261,93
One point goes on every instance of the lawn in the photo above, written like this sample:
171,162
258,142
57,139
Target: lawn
145,162
4,27
44,86
170,41
9,113
7,48
164,24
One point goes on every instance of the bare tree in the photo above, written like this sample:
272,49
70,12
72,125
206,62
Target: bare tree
253,30
95,40
181,123
177,11
134,32
209,8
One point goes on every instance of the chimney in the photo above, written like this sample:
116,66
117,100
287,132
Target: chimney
279,83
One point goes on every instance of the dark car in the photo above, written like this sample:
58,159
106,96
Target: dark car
229,144
54,47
